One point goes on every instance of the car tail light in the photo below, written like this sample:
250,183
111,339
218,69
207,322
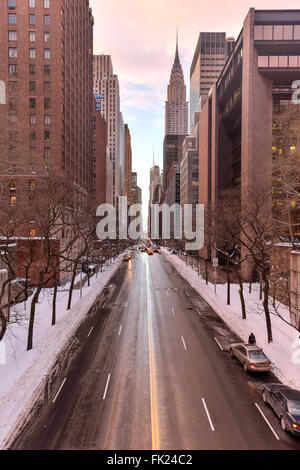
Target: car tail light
252,365
296,426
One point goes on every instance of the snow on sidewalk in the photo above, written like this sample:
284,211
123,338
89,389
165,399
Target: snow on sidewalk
284,352
24,371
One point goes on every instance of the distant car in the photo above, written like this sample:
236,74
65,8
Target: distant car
251,356
156,250
285,402
150,252
126,258
173,252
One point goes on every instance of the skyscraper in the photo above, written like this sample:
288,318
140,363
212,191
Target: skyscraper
128,166
176,108
106,89
176,117
209,59
46,64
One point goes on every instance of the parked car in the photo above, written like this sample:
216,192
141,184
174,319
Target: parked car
285,402
150,252
126,258
251,357
173,252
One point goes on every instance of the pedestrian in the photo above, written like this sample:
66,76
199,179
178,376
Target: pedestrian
252,339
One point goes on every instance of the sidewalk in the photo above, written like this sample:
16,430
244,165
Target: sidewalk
284,352
24,371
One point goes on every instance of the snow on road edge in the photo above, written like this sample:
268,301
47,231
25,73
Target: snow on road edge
21,394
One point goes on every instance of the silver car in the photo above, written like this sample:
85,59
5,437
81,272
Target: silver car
251,356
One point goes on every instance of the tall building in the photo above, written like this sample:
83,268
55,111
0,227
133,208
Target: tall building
136,190
172,153
176,107
209,59
237,124
46,63
121,155
106,87
128,166
102,164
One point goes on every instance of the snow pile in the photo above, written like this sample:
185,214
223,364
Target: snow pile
284,352
23,371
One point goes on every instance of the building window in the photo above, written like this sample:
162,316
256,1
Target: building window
47,103
32,232
293,61
32,53
31,3
47,86
46,20
12,3
47,152
12,184
278,32
32,36
32,135
31,102
46,53
32,184
47,120
32,69
46,3
12,35
283,61
12,69
273,61
297,31
32,119
263,61
31,86
12,200
12,52
12,18
47,69
12,118
31,19
47,37
12,86
47,135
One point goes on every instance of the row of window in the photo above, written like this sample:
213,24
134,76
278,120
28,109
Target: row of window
31,3
277,32
282,61
13,53
13,119
13,69
32,103
13,36
12,19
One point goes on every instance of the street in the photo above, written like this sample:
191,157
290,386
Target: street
154,372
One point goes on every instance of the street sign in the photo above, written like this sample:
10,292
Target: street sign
215,262
215,275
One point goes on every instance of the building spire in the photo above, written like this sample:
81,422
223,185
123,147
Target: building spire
177,53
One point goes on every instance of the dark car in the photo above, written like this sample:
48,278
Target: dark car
285,401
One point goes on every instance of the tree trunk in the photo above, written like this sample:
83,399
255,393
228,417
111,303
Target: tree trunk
71,287
32,316
3,320
228,282
241,292
266,307
206,272
54,305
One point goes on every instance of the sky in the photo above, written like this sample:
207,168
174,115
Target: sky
140,36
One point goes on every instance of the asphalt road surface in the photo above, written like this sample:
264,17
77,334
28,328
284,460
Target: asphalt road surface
154,372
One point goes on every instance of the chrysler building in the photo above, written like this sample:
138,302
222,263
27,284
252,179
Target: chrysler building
176,110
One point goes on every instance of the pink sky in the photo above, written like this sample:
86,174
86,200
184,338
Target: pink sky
140,36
